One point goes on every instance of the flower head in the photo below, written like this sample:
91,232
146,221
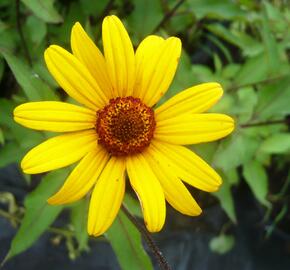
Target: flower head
118,131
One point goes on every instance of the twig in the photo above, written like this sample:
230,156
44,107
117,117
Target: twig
168,15
161,260
106,10
50,229
8,216
265,81
164,5
20,32
267,123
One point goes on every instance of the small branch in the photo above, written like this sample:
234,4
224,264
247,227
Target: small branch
267,123
164,5
168,15
146,235
8,216
61,231
106,10
269,80
20,32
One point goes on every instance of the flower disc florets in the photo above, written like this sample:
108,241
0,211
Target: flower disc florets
125,126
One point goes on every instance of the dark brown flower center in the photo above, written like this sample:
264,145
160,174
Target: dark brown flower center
125,126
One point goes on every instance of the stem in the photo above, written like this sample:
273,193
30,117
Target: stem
267,123
164,5
168,15
150,242
50,229
61,231
8,216
20,32
265,81
106,10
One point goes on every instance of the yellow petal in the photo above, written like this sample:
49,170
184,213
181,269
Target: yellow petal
107,196
188,166
157,61
89,54
148,190
196,99
82,178
59,151
175,191
119,54
74,77
54,116
145,51
194,128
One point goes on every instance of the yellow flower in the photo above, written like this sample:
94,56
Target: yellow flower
119,132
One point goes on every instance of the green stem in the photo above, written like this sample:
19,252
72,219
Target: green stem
20,32
106,10
265,81
50,229
168,15
146,235
267,123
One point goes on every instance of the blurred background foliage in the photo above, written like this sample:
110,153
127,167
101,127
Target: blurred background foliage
243,44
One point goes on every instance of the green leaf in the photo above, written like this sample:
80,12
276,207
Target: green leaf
40,68
18,139
133,205
253,70
145,17
61,33
218,65
8,38
205,150
246,43
278,218
218,9
127,245
36,29
257,179
2,138
3,26
278,22
276,144
79,221
273,99
26,138
272,11
230,71
94,8
271,46
2,67
34,88
221,46
44,10
38,214
200,73
225,105
9,153
247,100
225,197
6,108
184,77
222,243
234,151
181,20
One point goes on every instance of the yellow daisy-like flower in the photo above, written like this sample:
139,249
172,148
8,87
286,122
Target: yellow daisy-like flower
118,131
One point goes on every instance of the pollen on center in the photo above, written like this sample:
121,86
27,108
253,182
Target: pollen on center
125,126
